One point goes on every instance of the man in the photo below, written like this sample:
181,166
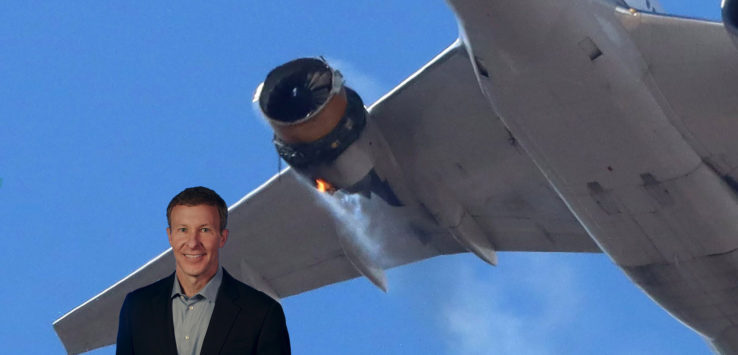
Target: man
200,308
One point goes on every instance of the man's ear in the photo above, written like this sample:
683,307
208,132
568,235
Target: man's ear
223,237
169,235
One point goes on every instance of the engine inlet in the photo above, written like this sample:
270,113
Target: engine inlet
303,99
314,116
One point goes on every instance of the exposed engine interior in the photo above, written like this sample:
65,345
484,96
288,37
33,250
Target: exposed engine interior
319,128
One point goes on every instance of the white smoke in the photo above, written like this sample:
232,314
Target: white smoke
352,220
481,317
369,224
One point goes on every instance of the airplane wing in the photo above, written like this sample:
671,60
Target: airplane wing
286,240
691,64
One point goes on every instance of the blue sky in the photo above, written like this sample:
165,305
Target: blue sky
108,109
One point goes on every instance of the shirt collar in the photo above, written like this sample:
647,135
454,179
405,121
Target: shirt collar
209,292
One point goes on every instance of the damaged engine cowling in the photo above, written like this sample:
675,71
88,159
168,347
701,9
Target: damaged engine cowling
319,128
730,19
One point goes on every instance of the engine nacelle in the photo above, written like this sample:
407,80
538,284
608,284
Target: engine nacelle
319,127
730,19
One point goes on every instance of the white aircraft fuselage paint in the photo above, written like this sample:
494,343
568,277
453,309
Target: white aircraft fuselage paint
569,83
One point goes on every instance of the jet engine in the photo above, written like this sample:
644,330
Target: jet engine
320,128
730,19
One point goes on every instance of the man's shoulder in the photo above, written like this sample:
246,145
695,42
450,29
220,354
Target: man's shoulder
248,295
162,286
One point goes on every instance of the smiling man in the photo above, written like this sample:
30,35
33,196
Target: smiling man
200,308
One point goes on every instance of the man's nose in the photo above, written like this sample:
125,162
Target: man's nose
193,239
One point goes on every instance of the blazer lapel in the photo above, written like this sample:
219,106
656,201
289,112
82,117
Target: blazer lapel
224,314
162,317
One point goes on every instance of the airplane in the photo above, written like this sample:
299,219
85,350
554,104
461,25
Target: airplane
580,134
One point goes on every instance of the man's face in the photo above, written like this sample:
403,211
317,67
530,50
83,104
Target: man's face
196,238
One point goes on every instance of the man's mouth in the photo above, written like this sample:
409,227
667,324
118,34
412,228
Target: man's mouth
193,256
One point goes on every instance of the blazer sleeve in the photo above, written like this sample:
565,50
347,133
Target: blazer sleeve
273,337
124,342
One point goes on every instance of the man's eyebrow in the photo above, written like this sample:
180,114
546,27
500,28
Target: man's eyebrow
202,225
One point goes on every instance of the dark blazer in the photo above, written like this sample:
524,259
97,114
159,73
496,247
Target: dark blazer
244,321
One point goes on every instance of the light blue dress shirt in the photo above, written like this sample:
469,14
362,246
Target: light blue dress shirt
191,315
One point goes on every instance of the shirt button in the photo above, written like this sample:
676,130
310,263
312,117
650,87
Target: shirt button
192,307
187,337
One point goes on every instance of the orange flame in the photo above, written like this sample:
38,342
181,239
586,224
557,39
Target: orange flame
323,186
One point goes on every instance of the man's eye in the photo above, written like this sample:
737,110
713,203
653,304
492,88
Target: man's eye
182,229
205,229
